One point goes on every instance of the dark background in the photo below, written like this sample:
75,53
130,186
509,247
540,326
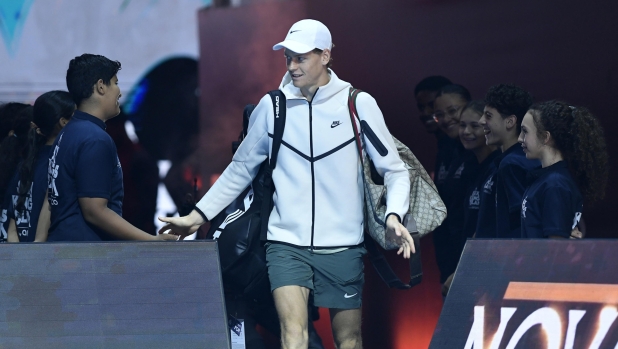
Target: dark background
555,49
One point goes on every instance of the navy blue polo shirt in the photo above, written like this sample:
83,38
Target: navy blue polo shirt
447,236
84,163
511,183
4,217
486,220
552,205
449,150
26,220
460,177
476,189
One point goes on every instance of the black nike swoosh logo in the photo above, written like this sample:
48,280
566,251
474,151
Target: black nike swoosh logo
294,31
335,124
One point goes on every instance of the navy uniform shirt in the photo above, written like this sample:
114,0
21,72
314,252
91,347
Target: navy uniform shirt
447,236
552,204
4,217
26,220
84,163
449,150
476,189
511,183
458,182
486,220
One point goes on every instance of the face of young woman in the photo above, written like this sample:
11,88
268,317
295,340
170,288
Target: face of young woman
471,133
529,139
447,109
307,69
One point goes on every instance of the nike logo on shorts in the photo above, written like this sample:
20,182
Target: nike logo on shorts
346,295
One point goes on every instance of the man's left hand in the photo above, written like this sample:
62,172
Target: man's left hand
406,245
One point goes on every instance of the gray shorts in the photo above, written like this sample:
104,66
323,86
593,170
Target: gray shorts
336,279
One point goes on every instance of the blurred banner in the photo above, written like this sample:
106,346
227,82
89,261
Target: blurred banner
112,295
40,37
532,294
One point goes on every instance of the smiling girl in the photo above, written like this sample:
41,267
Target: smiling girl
451,176
570,144
472,137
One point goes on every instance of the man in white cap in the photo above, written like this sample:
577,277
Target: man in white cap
315,230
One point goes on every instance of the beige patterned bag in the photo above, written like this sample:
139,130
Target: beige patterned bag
426,212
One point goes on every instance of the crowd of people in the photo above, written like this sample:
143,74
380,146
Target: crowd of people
505,168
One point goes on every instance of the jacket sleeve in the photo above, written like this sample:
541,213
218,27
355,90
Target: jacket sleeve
389,165
245,164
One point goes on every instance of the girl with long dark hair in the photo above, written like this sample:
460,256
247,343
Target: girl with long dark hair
15,121
28,210
569,142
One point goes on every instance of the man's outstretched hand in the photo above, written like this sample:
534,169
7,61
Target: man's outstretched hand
182,226
403,237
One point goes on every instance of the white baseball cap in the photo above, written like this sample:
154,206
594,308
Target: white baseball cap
305,36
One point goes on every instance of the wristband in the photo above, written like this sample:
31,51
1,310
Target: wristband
201,214
394,214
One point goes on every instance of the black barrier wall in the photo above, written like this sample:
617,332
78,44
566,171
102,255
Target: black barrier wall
111,295
532,294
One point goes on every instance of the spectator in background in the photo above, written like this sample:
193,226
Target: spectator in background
480,158
451,182
505,107
473,139
15,121
570,144
85,178
425,93
28,209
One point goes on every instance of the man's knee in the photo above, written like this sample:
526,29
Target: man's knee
349,340
295,331
347,328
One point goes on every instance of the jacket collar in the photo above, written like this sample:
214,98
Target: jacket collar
541,171
85,116
334,86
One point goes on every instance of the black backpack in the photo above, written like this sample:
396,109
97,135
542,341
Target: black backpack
240,229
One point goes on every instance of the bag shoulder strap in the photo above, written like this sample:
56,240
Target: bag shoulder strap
375,255
279,109
279,112
353,94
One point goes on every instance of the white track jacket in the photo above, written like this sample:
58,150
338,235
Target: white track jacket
318,199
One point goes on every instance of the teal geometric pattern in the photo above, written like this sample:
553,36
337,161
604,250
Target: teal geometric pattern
13,14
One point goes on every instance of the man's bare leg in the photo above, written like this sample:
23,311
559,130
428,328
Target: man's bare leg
346,324
291,304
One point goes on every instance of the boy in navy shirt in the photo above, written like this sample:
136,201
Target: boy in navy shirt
505,107
85,178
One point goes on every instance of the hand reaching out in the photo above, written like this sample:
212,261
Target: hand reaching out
181,226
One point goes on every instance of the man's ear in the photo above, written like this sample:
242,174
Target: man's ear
511,121
325,57
100,87
63,122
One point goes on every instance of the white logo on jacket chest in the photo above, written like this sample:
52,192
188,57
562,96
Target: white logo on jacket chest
488,185
523,207
442,173
459,171
475,199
